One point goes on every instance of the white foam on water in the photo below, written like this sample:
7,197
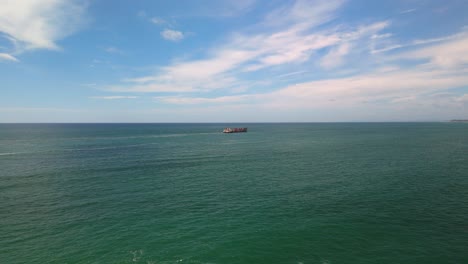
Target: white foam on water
136,255
9,153
114,147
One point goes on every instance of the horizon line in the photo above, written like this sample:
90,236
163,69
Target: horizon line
239,122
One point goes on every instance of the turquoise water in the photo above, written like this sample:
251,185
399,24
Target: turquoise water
281,193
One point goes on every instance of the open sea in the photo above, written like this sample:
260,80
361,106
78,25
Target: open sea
324,193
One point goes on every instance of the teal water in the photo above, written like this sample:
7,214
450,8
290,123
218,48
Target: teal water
281,193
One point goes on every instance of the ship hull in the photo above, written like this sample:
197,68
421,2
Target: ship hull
235,130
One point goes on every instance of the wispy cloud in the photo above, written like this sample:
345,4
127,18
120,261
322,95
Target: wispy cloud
300,45
172,35
384,43
378,87
449,54
334,58
114,97
368,87
7,57
158,21
408,11
202,100
151,87
309,13
291,74
463,99
114,50
247,53
390,87
290,41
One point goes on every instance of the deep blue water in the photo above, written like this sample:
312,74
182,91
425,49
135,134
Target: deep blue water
282,193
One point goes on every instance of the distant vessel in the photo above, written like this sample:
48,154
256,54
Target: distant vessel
234,130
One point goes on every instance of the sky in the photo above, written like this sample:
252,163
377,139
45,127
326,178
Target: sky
233,60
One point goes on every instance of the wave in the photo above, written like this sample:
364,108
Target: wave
105,148
11,153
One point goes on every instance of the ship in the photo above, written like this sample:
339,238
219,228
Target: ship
234,130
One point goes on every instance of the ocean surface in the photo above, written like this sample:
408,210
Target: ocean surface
323,193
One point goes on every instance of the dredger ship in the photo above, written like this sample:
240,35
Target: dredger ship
234,130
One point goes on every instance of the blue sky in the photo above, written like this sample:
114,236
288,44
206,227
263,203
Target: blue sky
233,61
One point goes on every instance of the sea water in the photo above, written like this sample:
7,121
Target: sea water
281,193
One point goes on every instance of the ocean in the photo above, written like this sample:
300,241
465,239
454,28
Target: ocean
324,193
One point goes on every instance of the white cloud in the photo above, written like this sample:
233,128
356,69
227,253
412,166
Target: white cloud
39,24
172,35
7,57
